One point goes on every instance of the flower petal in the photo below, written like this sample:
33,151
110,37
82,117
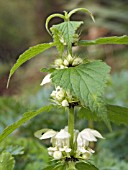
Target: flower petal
86,134
96,134
48,134
46,79
62,135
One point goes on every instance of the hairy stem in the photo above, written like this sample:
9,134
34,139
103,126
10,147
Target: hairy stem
71,125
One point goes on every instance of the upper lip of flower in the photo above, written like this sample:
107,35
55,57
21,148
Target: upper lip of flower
46,79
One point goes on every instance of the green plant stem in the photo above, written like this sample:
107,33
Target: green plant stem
71,126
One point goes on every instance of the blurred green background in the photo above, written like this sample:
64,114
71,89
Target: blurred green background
21,26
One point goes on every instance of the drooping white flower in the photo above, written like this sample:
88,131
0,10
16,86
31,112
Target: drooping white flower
49,134
46,79
90,135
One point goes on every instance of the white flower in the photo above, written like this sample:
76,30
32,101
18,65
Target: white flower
57,155
90,135
65,103
46,79
49,134
77,61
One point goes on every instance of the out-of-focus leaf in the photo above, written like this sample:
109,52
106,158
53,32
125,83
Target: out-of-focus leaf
116,114
105,40
26,117
7,162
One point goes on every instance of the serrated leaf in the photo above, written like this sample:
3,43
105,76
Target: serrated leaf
7,162
86,82
28,54
116,114
26,117
58,40
67,30
84,166
105,40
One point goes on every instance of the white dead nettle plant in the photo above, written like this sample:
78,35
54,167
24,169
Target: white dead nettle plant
61,143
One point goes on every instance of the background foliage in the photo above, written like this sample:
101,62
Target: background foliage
25,27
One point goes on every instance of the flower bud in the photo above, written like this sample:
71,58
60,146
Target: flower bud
66,62
57,155
60,95
58,62
69,58
77,61
65,103
86,155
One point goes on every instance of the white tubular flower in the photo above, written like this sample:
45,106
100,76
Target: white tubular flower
77,61
46,79
65,103
57,155
90,135
48,134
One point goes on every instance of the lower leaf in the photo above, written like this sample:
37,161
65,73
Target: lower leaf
116,114
26,117
84,166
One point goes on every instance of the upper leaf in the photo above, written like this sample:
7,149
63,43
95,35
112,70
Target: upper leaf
27,55
26,117
7,162
66,32
105,40
86,82
116,114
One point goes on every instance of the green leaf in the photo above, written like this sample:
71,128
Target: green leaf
47,70
85,166
27,55
116,114
26,117
7,162
105,40
58,40
56,167
67,30
86,82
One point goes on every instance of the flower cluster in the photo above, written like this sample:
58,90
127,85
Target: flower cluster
62,97
69,61
61,143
